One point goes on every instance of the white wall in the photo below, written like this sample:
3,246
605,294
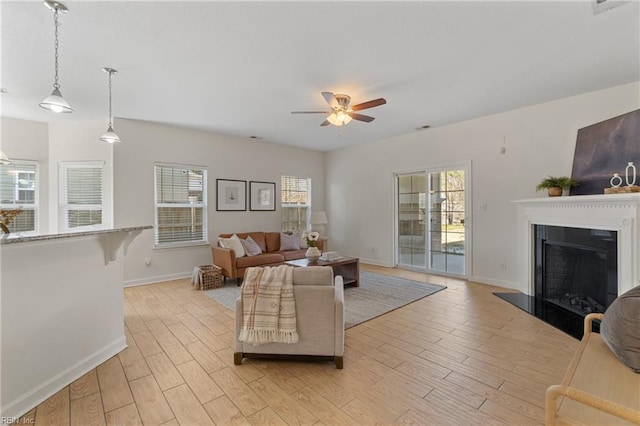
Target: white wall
539,141
79,141
51,143
224,157
29,140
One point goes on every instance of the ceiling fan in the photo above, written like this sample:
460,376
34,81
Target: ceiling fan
341,113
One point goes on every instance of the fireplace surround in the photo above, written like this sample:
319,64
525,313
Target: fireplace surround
613,212
613,217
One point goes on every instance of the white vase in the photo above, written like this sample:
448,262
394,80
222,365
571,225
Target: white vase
313,253
616,180
630,174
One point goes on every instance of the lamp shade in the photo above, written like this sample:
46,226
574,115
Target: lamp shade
110,136
319,218
56,103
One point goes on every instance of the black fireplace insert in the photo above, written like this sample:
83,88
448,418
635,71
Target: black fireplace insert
576,273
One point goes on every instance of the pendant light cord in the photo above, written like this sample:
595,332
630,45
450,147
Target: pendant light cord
110,115
55,46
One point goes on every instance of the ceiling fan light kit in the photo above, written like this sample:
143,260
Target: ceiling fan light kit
339,118
342,113
55,102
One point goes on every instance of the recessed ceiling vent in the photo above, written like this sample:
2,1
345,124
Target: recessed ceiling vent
600,6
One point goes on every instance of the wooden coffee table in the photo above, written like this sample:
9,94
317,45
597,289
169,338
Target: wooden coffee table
348,267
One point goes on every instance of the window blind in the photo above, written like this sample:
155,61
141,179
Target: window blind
180,205
295,202
80,195
18,190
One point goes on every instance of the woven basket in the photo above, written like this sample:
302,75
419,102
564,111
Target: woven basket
210,277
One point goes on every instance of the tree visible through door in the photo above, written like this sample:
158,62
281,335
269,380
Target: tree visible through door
447,221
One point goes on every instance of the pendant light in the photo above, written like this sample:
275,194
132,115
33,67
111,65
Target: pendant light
110,136
3,158
55,102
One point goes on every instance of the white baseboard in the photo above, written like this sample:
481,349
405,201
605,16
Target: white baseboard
376,263
158,279
30,399
492,281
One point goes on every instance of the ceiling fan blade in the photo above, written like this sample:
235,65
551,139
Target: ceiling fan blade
369,104
331,99
360,117
325,123
310,112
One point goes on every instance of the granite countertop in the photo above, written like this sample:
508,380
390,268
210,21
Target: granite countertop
19,238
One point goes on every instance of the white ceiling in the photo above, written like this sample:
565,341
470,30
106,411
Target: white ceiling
240,68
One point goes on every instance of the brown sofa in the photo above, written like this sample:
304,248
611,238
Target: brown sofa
269,242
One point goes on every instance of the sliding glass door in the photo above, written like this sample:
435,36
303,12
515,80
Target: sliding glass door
411,210
432,225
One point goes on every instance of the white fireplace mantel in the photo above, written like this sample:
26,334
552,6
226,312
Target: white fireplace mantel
614,212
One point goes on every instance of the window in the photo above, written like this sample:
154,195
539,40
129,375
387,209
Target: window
18,189
296,203
180,205
80,195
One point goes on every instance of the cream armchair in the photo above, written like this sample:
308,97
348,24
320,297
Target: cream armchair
319,319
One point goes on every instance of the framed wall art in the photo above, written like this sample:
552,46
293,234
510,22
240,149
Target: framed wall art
262,196
231,195
603,149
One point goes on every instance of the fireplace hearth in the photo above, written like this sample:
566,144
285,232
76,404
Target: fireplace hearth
559,317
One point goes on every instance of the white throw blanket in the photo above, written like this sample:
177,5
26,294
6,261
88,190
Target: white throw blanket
268,306
196,278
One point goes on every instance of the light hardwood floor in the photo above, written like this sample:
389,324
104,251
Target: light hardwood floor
460,356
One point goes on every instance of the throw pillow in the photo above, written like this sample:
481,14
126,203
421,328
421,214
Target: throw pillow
289,242
251,248
238,245
620,328
232,243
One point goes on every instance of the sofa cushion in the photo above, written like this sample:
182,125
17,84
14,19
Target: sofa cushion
313,275
232,243
259,260
251,248
289,242
620,328
273,241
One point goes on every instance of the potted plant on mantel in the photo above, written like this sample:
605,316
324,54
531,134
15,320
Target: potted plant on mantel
555,185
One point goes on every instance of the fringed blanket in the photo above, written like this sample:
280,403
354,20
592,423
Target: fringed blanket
268,306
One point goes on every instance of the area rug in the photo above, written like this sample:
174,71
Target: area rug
377,295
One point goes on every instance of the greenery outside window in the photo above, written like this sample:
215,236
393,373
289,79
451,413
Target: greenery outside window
80,195
180,205
19,190
296,203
